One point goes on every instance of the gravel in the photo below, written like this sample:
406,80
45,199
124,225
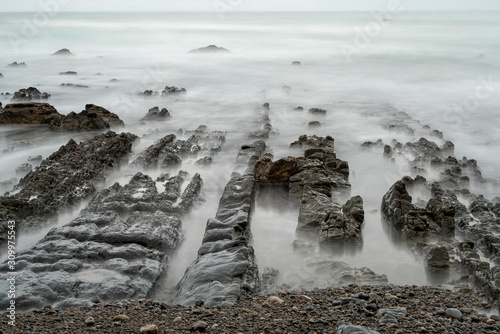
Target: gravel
411,309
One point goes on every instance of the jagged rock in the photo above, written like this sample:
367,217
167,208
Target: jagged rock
173,91
210,49
16,64
66,177
269,279
438,259
111,118
226,267
68,73
344,226
23,169
29,94
77,122
63,52
149,93
102,255
156,114
280,171
27,113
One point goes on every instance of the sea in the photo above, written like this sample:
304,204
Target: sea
441,68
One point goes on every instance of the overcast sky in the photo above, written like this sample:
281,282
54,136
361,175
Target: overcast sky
245,5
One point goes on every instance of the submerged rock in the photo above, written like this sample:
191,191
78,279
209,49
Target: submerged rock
29,94
102,255
27,113
73,85
1,75
172,90
296,63
210,49
63,52
16,64
111,118
156,114
62,180
226,267
68,73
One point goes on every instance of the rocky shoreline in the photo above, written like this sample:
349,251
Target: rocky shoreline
348,309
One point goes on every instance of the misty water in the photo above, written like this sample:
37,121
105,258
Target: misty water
440,68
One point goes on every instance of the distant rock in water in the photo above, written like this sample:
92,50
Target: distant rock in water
156,114
173,91
317,111
73,85
69,73
63,52
1,75
210,49
105,114
26,113
296,63
29,94
16,64
92,118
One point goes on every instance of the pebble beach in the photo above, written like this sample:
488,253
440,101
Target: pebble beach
369,309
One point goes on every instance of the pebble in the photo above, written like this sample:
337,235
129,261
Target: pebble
178,320
305,298
121,317
90,321
454,313
149,329
200,326
273,300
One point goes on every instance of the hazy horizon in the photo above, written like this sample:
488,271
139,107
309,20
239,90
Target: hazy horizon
245,5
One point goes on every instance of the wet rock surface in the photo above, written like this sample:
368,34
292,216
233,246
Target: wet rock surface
102,254
156,114
62,180
226,267
26,113
29,94
332,310
169,151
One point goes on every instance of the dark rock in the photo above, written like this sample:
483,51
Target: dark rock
280,171
317,111
226,267
438,259
210,49
63,52
314,124
27,113
296,63
77,122
29,94
73,85
173,91
299,108
99,254
111,118
16,64
62,180
68,73
156,114
1,75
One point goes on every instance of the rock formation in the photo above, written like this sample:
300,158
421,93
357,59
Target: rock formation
210,49
29,94
64,179
101,255
226,268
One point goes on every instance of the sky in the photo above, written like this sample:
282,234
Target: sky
242,5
